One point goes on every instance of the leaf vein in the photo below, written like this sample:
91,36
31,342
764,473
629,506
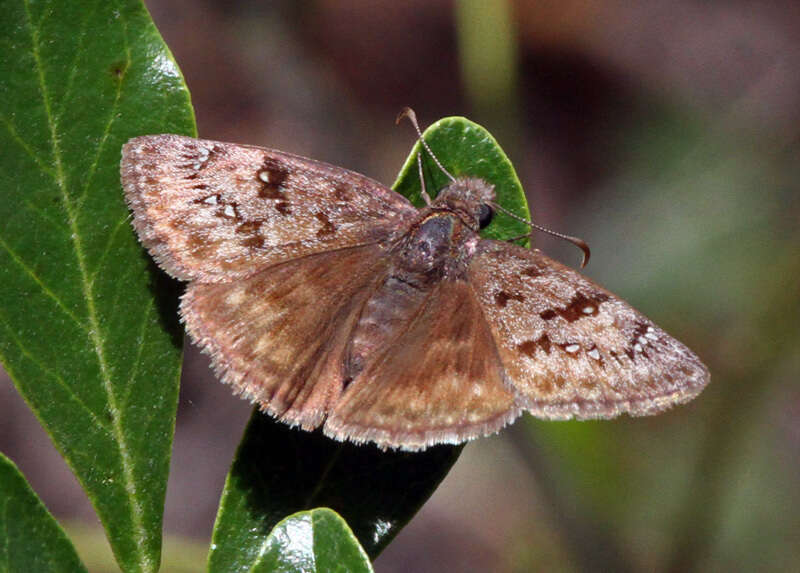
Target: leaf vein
56,223
73,67
45,289
27,148
57,377
106,130
107,249
139,347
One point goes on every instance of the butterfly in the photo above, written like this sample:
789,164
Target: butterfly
331,301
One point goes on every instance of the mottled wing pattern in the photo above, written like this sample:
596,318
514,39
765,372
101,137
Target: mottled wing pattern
439,381
216,212
570,348
278,336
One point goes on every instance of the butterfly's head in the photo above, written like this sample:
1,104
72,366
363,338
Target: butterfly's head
470,198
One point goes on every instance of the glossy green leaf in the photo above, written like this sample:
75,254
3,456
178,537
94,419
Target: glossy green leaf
278,470
309,542
30,539
88,327
465,148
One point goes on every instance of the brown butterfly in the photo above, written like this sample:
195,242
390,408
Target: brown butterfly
331,301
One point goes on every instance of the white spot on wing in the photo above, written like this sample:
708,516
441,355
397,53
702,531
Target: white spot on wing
588,309
212,200
235,297
572,348
229,211
202,157
594,354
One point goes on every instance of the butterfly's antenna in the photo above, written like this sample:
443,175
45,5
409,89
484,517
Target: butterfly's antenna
412,117
423,191
580,243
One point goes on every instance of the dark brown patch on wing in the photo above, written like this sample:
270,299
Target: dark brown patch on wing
249,227
532,272
580,306
327,227
548,314
638,342
283,208
340,193
544,343
529,347
255,242
199,246
502,298
272,176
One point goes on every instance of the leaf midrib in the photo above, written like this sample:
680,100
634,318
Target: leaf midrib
139,531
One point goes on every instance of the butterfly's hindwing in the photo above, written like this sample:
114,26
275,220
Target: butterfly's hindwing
438,380
278,337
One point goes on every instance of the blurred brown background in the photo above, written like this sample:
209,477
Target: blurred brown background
665,133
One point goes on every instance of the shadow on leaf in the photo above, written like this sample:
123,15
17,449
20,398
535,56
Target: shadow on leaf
281,470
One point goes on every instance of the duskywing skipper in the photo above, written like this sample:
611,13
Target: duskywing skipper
331,301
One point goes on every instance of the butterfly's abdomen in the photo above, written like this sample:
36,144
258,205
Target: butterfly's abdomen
383,317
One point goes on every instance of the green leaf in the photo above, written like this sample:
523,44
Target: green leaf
88,327
311,541
281,470
30,539
465,148
278,471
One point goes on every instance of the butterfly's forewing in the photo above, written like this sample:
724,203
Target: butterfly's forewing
278,336
439,381
570,348
216,212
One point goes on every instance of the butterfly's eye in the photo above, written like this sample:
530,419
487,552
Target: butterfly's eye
485,214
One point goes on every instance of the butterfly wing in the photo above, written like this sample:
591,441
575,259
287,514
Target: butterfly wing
278,336
439,380
572,349
217,212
